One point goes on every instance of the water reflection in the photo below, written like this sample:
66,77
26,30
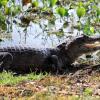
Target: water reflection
36,36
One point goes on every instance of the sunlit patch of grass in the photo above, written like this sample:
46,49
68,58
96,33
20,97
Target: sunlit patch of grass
46,96
51,96
88,91
7,78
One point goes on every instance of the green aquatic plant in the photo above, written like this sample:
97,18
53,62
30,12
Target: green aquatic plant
62,11
35,4
52,2
50,10
81,11
3,2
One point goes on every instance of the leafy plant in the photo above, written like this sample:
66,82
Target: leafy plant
87,11
62,11
88,91
88,30
52,2
15,10
81,11
12,10
92,29
2,21
98,11
7,11
35,4
3,2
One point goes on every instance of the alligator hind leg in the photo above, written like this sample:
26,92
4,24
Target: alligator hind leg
5,61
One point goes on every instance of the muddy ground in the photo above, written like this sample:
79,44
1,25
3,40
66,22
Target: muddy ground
81,83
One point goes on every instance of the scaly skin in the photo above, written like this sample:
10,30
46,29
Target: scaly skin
23,59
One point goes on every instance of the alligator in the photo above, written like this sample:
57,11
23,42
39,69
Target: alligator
25,59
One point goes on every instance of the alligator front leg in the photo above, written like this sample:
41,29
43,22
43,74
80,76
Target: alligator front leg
56,62
5,61
52,63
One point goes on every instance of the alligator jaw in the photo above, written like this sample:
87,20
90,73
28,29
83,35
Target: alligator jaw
90,44
82,45
96,44
91,47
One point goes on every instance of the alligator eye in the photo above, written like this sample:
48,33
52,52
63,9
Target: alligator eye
89,56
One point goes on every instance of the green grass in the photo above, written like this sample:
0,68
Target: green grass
7,78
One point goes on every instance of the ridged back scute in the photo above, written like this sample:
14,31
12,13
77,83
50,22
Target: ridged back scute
15,48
